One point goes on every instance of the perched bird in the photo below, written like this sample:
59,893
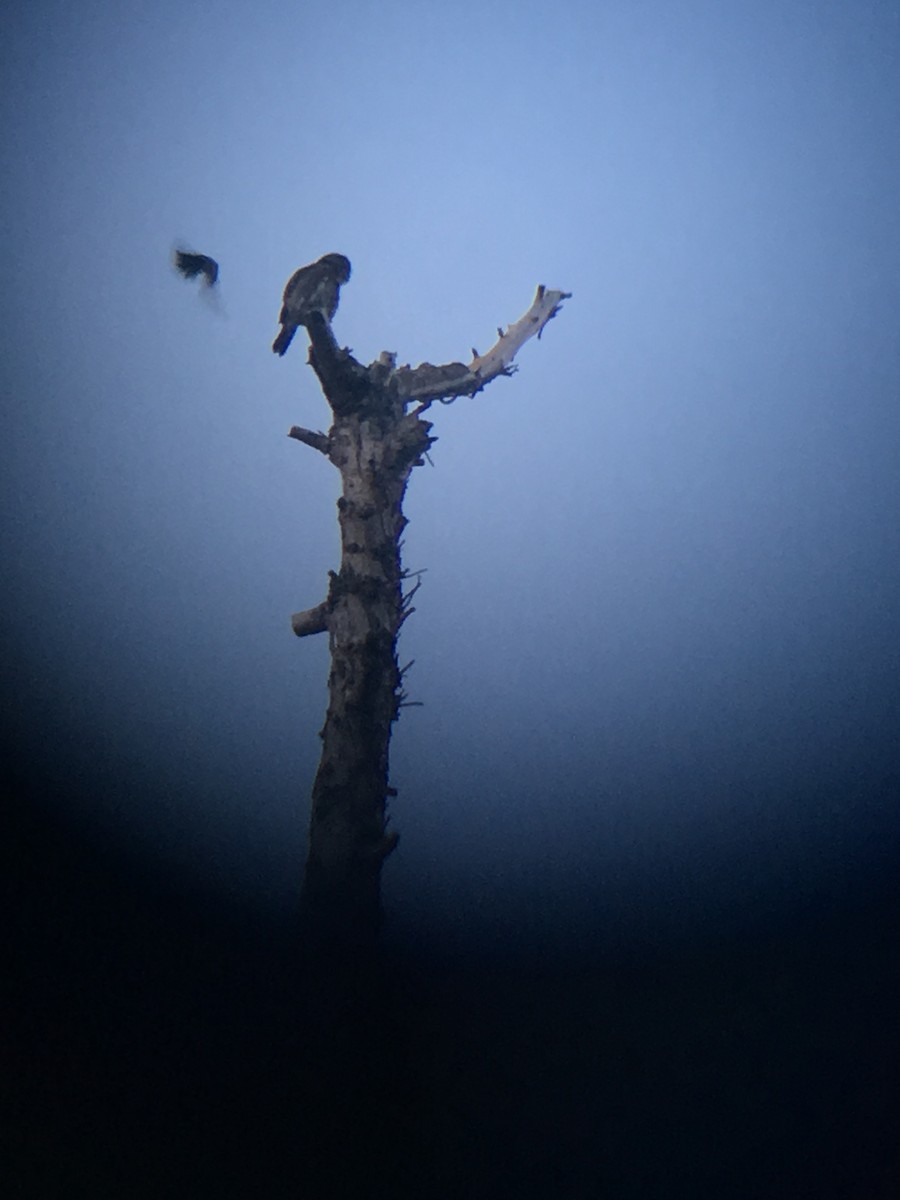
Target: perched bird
191,265
312,289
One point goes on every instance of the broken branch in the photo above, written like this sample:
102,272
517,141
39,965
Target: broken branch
318,441
311,620
427,382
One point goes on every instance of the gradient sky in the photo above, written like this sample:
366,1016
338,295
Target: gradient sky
657,641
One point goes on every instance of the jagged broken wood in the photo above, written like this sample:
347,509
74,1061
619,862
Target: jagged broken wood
377,437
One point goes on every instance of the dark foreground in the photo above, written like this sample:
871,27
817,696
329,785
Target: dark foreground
160,1048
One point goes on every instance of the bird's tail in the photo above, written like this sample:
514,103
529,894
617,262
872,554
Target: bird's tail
284,338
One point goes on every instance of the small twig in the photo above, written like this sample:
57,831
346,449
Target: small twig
409,595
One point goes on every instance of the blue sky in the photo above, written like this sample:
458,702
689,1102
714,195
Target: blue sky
656,641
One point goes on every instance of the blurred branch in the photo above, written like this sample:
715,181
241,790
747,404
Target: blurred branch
311,620
318,441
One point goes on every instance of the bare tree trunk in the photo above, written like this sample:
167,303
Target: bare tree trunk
374,444
377,437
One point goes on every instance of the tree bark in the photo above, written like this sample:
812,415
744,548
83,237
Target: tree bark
374,444
377,437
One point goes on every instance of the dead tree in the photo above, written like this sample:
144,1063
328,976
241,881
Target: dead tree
378,435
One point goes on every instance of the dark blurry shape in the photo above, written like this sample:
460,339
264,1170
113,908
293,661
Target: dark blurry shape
313,289
191,265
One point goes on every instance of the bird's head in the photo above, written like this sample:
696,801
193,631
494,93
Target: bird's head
338,266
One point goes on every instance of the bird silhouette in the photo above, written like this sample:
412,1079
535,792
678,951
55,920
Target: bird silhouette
191,265
313,289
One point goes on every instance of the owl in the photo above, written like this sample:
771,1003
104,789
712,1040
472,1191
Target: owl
191,265
314,288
